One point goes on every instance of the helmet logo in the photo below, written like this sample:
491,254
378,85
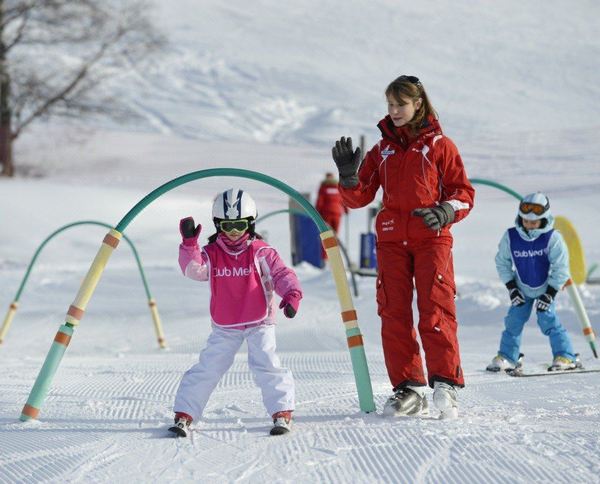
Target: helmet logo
232,212
233,208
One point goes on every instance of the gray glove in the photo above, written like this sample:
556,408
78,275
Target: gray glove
437,217
347,161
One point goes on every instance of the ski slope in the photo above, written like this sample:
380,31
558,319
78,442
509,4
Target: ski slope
253,86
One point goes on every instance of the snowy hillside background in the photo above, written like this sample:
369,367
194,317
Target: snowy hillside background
268,86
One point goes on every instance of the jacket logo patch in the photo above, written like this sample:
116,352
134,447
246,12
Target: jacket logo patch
387,225
386,152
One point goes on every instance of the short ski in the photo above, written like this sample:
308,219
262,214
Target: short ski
519,372
178,431
277,430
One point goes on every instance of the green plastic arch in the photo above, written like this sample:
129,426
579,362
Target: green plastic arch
357,354
235,172
74,224
504,188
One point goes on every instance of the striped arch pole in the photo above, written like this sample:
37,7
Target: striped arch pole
76,311
586,326
151,302
350,321
65,332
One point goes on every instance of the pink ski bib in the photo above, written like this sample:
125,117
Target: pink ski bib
237,294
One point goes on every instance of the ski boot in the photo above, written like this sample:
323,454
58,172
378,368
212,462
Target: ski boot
406,401
282,422
500,362
562,363
445,400
182,424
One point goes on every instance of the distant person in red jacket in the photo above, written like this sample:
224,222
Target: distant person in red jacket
329,202
425,190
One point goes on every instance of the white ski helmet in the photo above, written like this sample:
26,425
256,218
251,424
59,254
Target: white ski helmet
535,206
233,204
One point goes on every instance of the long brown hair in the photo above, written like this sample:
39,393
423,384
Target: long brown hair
411,87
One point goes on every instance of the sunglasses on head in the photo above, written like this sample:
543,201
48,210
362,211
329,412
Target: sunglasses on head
231,225
535,208
412,79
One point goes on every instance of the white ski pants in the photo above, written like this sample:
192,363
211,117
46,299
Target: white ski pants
275,382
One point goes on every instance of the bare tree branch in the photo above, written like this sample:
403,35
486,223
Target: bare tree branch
57,55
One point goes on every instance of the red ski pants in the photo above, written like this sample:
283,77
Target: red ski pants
429,264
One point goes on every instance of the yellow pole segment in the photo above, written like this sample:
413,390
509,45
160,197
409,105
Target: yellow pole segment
77,309
336,263
157,324
12,309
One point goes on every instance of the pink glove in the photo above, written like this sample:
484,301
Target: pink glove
189,232
290,303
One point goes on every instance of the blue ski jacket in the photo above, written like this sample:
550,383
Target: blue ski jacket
555,251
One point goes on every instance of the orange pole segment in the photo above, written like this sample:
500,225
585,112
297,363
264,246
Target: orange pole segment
30,411
355,341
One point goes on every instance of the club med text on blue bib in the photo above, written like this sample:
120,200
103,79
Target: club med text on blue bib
530,257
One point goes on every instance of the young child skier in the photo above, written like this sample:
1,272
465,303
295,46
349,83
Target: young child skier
244,272
533,262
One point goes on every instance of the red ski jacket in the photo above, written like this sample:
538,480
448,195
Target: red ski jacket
415,172
329,200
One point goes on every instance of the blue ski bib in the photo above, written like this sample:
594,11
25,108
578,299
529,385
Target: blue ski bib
530,257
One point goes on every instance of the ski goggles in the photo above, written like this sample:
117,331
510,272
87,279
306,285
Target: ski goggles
536,208
231,225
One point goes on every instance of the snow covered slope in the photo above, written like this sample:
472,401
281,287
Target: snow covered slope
516,88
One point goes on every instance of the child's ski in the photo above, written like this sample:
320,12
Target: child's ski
518,372
279,430
180,429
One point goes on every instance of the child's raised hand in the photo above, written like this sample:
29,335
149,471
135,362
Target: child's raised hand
290,304
189,231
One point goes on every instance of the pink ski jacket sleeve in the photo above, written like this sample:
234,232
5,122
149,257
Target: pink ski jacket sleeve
193,262
283,278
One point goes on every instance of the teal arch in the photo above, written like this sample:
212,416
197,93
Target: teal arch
68,226
499,186
357,353
277,212
234,172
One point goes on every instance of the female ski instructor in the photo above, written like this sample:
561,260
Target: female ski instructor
425,190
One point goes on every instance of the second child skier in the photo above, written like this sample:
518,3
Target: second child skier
533,262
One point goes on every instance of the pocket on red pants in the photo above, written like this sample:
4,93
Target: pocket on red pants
380,293
443,292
